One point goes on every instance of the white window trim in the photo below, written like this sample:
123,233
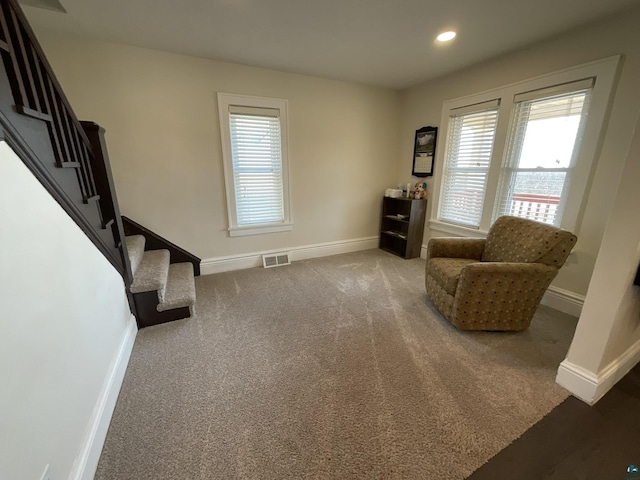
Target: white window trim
605,73
225,100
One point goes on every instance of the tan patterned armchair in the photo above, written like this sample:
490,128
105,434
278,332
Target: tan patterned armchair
497,283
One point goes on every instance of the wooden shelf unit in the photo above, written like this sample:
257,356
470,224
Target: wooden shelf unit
402,226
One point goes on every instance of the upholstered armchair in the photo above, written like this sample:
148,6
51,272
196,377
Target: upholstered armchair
495,283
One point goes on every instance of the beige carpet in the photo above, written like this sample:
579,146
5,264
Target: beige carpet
332,368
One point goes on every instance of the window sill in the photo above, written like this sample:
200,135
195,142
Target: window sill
260,229
459,230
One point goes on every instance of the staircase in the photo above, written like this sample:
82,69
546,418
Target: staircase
67,156
162,291
70,159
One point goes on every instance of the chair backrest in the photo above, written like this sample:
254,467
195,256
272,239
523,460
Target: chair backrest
515,239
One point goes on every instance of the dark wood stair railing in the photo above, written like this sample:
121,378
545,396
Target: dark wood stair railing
68,157
38,94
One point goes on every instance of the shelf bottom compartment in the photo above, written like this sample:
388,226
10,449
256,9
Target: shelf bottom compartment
393,244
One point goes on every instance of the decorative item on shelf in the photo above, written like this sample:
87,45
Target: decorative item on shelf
420,190
424,151
393,192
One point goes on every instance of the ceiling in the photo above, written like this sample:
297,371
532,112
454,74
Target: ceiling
388,43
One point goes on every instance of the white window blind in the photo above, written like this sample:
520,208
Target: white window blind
541,153
257,165
466,166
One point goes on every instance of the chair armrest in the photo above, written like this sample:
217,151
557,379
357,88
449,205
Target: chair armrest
500,296
492,277
455,247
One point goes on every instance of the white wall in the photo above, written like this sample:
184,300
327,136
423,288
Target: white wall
65,334
422,105
161,119
607,341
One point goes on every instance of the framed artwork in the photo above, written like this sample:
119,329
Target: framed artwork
424,151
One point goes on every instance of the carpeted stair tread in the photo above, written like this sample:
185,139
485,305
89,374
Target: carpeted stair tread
181,288
152,273
135,249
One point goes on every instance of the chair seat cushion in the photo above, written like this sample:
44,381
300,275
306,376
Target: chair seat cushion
446,271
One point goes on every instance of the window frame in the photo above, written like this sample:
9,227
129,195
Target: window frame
225,101
604,73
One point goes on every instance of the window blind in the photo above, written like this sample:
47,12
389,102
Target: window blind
541,153
257,165
467,159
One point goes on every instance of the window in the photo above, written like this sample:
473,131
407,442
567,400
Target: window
542,152
466,166
254,149
526,149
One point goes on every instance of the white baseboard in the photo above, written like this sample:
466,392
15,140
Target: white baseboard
84,467
590,387
580,382
254,259
563,300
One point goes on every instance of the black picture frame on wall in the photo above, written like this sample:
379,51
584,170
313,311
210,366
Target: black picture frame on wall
424,151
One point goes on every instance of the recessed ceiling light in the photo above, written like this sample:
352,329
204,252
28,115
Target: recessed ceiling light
446,36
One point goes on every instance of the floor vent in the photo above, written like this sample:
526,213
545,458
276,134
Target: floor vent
275,260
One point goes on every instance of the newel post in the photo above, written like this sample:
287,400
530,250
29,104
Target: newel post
106,189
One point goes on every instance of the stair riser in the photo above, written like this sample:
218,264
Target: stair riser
148,315
135,250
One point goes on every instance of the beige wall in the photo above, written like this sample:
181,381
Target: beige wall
422,105
159,110
160,113
347,143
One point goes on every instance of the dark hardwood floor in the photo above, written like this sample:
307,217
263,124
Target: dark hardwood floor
577,442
